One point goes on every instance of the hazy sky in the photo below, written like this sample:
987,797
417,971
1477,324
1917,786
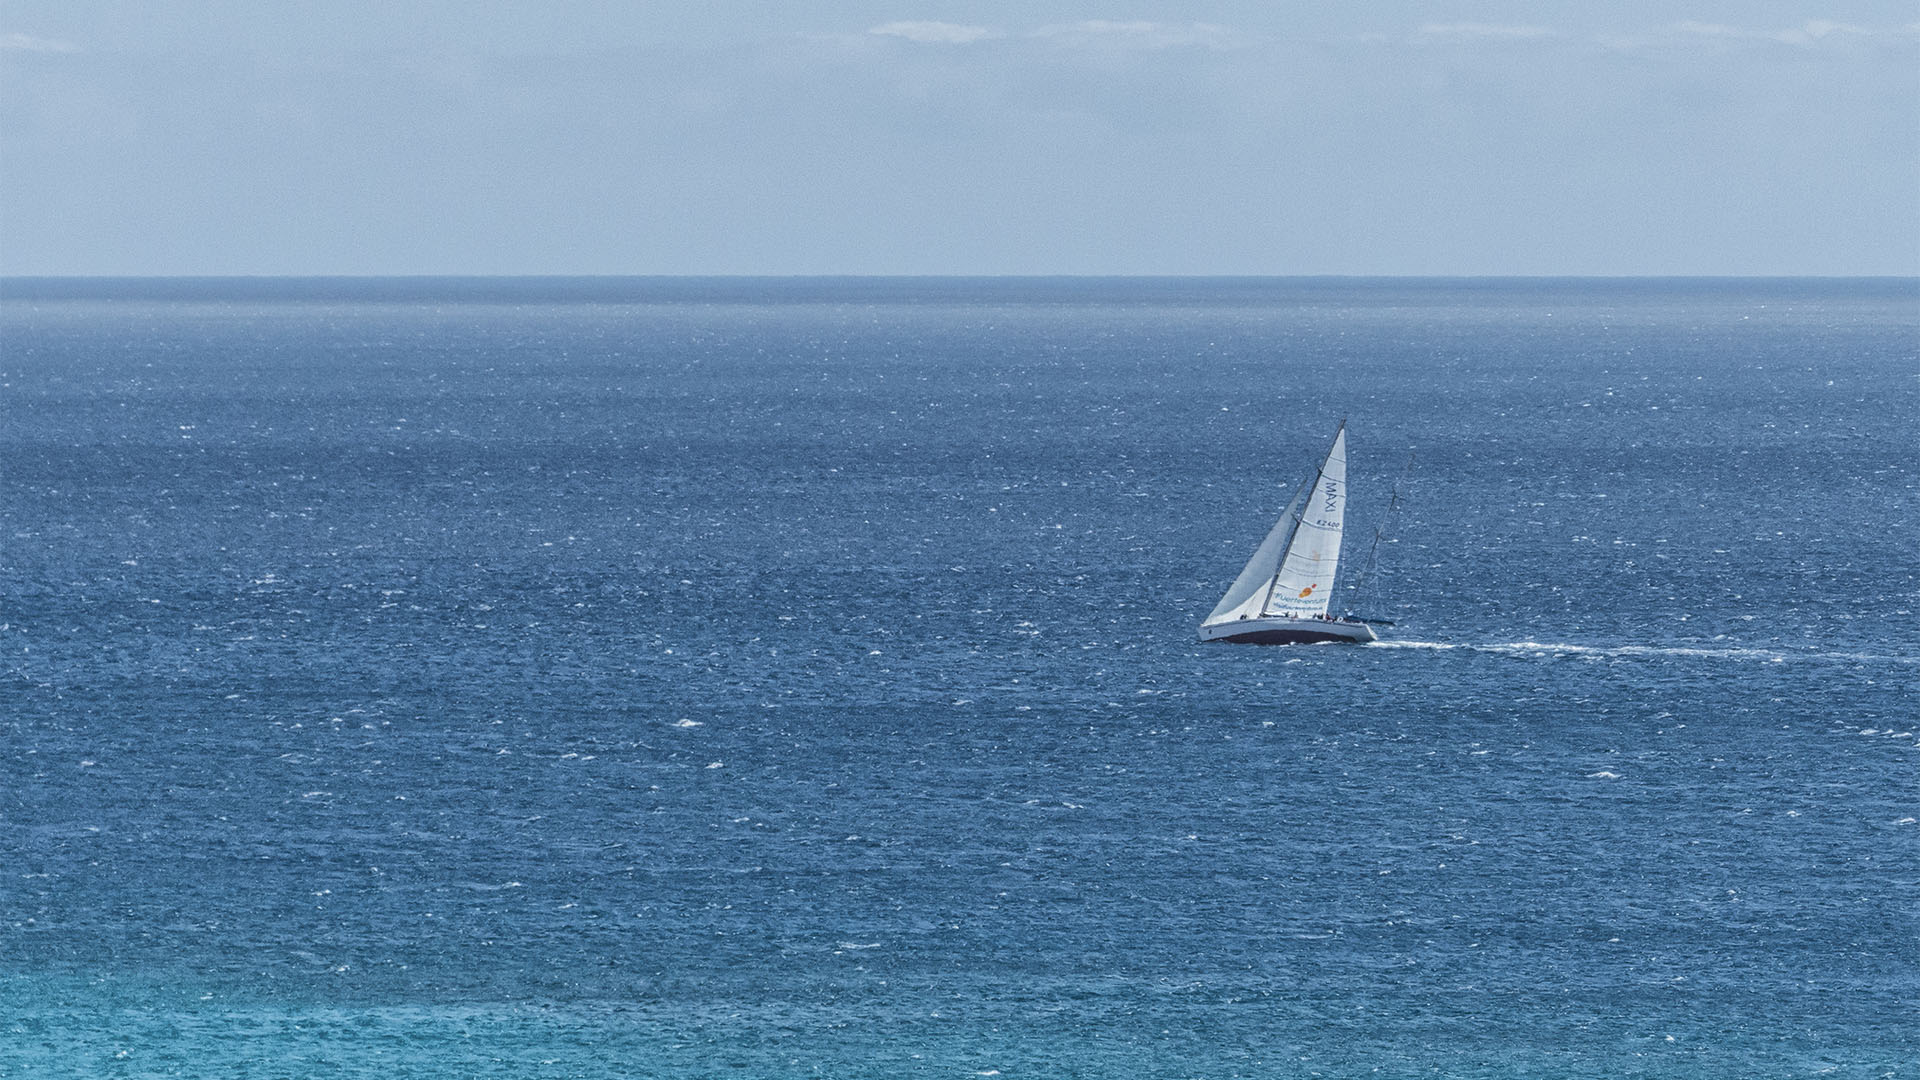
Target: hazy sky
965,137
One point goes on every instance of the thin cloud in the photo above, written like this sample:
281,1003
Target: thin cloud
1811,32
1105,33
935,33
1487,31
29,43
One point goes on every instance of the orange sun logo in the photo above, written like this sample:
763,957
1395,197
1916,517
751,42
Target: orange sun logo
1308,589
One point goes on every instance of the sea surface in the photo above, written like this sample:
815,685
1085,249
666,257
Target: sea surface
798,678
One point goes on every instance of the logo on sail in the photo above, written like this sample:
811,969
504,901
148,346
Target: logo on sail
1308,589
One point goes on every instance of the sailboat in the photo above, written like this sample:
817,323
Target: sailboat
1282,596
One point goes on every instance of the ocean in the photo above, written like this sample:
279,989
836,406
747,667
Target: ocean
686,678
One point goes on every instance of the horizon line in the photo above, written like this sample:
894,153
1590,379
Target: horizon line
7,276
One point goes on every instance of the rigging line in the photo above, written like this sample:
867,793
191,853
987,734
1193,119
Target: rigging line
1379,533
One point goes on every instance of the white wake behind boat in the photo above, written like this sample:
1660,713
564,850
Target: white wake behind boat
1283,595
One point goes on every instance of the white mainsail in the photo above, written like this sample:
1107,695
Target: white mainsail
1292,573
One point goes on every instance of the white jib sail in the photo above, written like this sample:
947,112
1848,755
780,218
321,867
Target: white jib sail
1249,590
1303,587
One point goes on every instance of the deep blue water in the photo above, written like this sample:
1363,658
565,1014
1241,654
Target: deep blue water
543,678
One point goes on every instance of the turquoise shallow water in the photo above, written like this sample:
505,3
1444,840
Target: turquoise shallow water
687,679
